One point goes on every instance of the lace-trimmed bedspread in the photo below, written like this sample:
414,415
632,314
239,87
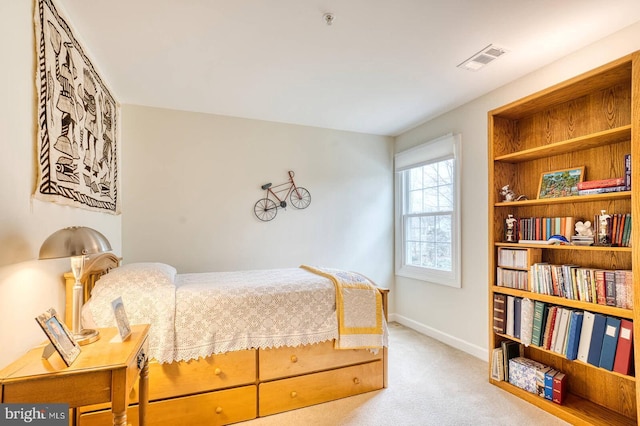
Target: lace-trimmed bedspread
228,311
196,315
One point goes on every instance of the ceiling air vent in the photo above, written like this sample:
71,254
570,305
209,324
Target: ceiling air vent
482,58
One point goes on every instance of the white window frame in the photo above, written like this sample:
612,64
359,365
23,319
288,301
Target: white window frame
442,148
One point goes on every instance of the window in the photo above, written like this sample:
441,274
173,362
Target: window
427,207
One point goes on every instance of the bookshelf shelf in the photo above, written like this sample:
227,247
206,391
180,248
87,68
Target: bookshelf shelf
605,137
564,200
554,354
576,304
575,410
590,121
566,247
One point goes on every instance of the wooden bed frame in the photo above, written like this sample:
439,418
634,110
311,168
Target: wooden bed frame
241,385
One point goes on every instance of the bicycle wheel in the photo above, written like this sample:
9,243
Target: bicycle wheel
265,209
300,198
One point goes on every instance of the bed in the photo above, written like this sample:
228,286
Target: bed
232,346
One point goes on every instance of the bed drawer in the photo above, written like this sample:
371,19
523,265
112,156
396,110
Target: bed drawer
204,374
196,376
297,392
287,361
212,408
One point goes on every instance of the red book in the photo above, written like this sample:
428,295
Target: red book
559,388
550,325
602,183
623,360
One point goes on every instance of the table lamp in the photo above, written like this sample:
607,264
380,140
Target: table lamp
76,242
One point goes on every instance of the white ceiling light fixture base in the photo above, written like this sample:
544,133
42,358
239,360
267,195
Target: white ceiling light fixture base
483,57
328,18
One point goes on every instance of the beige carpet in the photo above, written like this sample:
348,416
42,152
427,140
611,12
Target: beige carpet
430,383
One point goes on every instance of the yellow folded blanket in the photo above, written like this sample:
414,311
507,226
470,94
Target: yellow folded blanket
359,309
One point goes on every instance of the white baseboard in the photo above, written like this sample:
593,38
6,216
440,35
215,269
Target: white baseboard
455,342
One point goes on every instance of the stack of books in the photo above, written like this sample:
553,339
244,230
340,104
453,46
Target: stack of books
582,240
602,186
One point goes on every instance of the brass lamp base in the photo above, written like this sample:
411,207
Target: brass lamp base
86,336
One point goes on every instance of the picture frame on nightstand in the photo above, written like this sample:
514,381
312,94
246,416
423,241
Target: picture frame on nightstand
121,318
59,336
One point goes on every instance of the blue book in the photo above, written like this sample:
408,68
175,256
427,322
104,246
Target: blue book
595,349
548,384
609,343
573,336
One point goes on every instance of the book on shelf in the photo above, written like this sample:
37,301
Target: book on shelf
510,350
602,190
610,287
623,362
585,336
499,313
548,383
597,335
559,387
526,321
549,327
538,322
609,343
561,331
517,317
497,364
574,334
602,183
627,171
541,374
510,316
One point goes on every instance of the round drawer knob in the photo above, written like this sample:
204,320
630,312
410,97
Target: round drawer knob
217,371
218,410
294,394
356,381
294,358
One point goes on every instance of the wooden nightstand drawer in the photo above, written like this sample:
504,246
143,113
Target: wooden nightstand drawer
296,392
212,408
286,361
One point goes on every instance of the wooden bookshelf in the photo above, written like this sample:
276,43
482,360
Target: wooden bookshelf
592,120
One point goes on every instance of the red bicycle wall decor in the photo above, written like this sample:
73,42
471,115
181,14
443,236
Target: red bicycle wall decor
276,197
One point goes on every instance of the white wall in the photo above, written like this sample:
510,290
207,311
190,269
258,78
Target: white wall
192,181
459,316
28,287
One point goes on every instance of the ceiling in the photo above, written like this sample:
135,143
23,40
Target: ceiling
382,67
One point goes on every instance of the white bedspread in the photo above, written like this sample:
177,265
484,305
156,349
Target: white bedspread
196,315
228,311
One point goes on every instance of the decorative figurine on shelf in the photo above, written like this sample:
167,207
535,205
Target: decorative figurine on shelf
604,239
508,195
583,229
510,231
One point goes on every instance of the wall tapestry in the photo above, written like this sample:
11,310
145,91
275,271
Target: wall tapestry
77,121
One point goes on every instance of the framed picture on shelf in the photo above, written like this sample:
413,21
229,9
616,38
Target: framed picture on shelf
59,335
560,183
121,318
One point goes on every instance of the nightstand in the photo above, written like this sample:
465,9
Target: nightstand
105,371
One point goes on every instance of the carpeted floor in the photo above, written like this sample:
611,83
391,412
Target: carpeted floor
430,383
